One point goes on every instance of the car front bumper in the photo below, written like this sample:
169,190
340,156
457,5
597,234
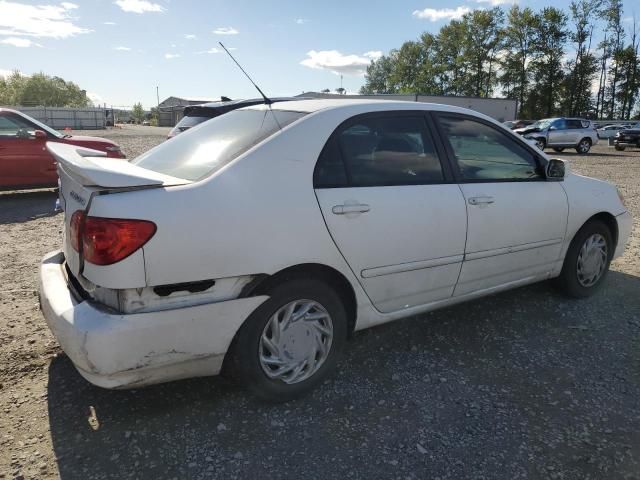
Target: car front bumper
114,350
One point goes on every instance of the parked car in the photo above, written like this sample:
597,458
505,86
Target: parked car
24,160
196,114
561,133
260,240
627,138
610,130
513,124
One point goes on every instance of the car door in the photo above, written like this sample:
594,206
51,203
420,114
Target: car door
24,159
575,132
516,218
392,208
557,133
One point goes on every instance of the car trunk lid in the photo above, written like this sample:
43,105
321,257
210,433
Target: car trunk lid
84,173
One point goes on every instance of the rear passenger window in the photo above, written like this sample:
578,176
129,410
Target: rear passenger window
386,150
575,124
330,172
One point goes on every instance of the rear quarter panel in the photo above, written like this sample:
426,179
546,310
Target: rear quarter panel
259,214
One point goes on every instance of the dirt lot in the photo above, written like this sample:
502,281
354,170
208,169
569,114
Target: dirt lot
526,384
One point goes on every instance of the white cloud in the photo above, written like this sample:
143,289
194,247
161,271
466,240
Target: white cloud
169,56
123,49
109,23
498,2
373,54
211,50
225,31
301,21
19,42
189,36
51,21
7,73
338,63
139,6
96,99
434,14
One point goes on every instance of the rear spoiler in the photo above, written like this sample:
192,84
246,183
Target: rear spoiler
92,168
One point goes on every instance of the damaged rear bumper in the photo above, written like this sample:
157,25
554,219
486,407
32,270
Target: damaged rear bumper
114,350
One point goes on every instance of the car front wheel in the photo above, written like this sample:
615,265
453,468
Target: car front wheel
619,148
540,143
291,342
587,262
584,146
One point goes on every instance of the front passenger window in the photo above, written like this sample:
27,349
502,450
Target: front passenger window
483,153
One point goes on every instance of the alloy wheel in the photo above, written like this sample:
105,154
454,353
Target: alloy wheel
584,146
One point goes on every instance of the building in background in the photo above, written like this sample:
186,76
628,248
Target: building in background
170,110
501,109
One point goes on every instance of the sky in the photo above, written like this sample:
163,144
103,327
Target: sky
121,50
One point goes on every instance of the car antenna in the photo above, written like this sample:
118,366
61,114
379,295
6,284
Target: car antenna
267,100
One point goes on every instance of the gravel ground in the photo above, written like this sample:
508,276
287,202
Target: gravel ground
525,384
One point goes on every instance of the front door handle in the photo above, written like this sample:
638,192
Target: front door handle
345,209
484,200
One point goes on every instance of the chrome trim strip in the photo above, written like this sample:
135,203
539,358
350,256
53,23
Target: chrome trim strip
410,266
513,249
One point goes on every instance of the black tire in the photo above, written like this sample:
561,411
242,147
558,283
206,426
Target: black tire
619,148
244,360
584,146
568,280
541,143
559,149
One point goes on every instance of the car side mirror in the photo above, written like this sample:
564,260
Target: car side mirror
555,169
40,135
551,127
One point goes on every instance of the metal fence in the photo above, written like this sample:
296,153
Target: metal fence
63,117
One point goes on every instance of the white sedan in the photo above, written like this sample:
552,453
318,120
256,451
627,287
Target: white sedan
259,241
610,130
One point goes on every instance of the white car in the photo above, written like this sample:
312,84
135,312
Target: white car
610,130
260,240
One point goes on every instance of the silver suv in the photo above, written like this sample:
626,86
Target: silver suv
561,133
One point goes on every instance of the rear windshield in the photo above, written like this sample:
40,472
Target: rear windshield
203,150
189,121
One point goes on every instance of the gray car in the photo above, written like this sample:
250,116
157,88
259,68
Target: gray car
561,133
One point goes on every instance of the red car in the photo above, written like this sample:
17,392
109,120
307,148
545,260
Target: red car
25,161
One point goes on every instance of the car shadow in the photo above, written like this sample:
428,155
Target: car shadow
23,206
395,381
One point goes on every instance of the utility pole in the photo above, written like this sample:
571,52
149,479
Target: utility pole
158,97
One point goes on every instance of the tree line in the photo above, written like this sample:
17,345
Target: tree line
583,62
41,90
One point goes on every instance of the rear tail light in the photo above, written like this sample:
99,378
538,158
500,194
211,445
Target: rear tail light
105,241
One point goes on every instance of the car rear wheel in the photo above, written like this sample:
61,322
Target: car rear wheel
292,341
587,261
584,146
558,149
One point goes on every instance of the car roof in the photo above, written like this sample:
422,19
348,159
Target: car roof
248,101
315,105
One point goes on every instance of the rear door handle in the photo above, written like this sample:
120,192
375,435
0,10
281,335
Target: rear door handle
344,209
484,200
